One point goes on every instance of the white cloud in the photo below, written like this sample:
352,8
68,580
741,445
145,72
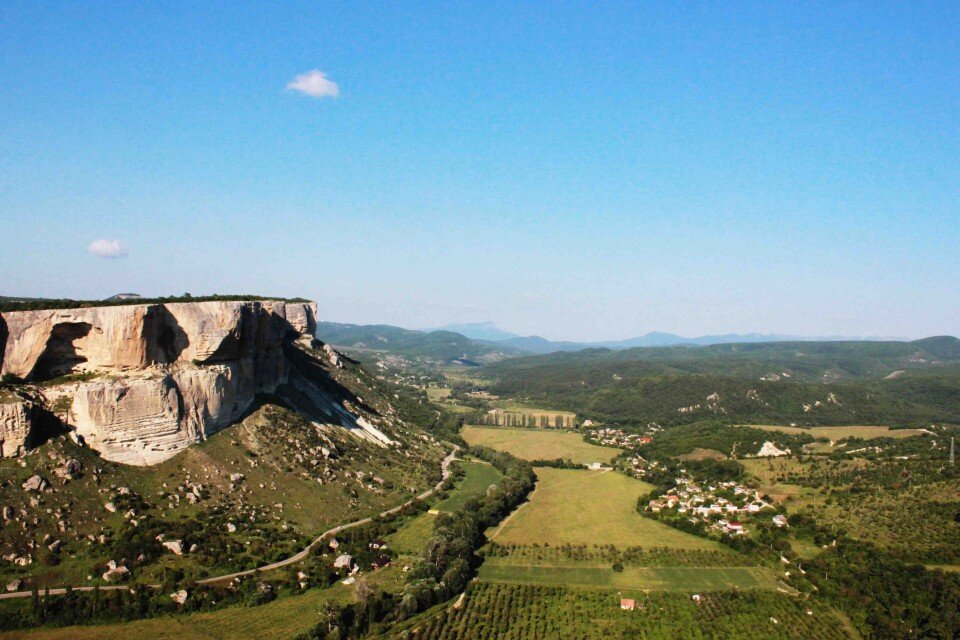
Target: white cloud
107,248
315,83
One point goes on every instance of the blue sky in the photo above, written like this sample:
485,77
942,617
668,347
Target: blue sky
575,170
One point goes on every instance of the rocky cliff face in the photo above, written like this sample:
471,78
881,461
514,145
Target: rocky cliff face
159,376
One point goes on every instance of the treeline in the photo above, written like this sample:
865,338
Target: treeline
712,434
448,562
524,420
101,606
884,597
43,304
643,393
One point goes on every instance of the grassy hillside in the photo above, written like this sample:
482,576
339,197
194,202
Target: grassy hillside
251,494
807,383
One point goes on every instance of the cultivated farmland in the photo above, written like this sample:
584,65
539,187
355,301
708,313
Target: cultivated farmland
536,444
573,506
524,612
687,579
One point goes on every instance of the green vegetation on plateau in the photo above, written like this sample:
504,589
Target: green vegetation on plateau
807,383
37,304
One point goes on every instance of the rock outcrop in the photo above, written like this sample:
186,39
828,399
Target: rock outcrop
160,376
16,421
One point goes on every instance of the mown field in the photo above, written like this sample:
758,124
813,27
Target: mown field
573,506
537,444
411,537
479,476
520,612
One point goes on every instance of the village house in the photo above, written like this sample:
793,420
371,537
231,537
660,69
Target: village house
628,604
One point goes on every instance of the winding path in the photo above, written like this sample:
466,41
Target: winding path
297,557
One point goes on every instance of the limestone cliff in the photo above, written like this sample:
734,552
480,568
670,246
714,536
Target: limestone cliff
158,376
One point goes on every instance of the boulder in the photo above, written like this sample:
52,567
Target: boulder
116,574
35,483
176,546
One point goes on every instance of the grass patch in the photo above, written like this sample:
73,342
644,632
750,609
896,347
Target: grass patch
703,454
572,506
438,394
535,444
411,537
479,476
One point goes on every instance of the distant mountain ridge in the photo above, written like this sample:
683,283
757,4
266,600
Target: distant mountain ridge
538,345
477,339
486,330
440,345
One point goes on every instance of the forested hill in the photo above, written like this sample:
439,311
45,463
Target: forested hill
803,382
443,346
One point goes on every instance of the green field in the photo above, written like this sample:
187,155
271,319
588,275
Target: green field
573,506
438,394
411,537
690,579
537,444
479,476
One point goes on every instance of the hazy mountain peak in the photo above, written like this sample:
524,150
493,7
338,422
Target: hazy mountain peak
485,330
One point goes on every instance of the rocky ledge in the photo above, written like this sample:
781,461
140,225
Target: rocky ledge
139,383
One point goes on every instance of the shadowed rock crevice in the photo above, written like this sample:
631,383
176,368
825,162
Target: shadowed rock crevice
44,426
4,333
165,335
60,356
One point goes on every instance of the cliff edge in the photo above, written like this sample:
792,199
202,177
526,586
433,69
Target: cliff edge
139,383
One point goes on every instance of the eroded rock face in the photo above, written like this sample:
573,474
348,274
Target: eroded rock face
166,375
16,422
